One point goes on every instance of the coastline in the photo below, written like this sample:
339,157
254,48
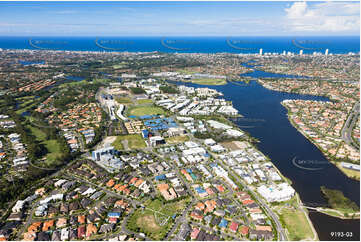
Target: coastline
167,50
85,51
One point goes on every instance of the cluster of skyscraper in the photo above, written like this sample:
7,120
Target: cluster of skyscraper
290,53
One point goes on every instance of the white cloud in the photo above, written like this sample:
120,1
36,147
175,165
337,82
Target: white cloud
327,17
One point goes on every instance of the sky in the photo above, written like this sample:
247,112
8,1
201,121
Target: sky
179,18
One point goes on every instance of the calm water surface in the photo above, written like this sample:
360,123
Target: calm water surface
266,119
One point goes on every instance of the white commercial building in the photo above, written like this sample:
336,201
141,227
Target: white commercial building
350,166
277,193
156,140
97,154
217,125
18,206
234,133
191,144
217,148
228,110
120,112
209,142
194,151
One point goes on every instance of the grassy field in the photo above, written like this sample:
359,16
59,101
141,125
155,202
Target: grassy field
26,103
144,101
132,141
26,106
145,110
84,82
20,99
186,72
40,135
350,173
296,224
74,83
155,219
51,145
209,81
177,139
101,80
120,65
331,213
124,100
53,150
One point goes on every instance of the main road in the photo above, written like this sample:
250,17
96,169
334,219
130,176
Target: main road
281,233
280,230
349,124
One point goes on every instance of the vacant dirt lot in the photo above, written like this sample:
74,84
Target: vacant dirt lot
235,145
148,222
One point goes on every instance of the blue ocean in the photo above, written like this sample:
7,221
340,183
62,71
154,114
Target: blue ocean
335,45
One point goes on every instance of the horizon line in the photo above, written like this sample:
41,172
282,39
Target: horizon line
164,36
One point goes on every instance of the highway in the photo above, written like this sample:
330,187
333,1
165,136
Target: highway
349,124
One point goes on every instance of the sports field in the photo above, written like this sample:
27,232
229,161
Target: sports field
145,110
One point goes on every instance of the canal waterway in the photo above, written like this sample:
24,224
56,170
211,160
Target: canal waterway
266,119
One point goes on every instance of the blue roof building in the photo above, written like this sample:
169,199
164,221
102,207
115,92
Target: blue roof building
113,215
223,223
200,190
145,133
160,177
